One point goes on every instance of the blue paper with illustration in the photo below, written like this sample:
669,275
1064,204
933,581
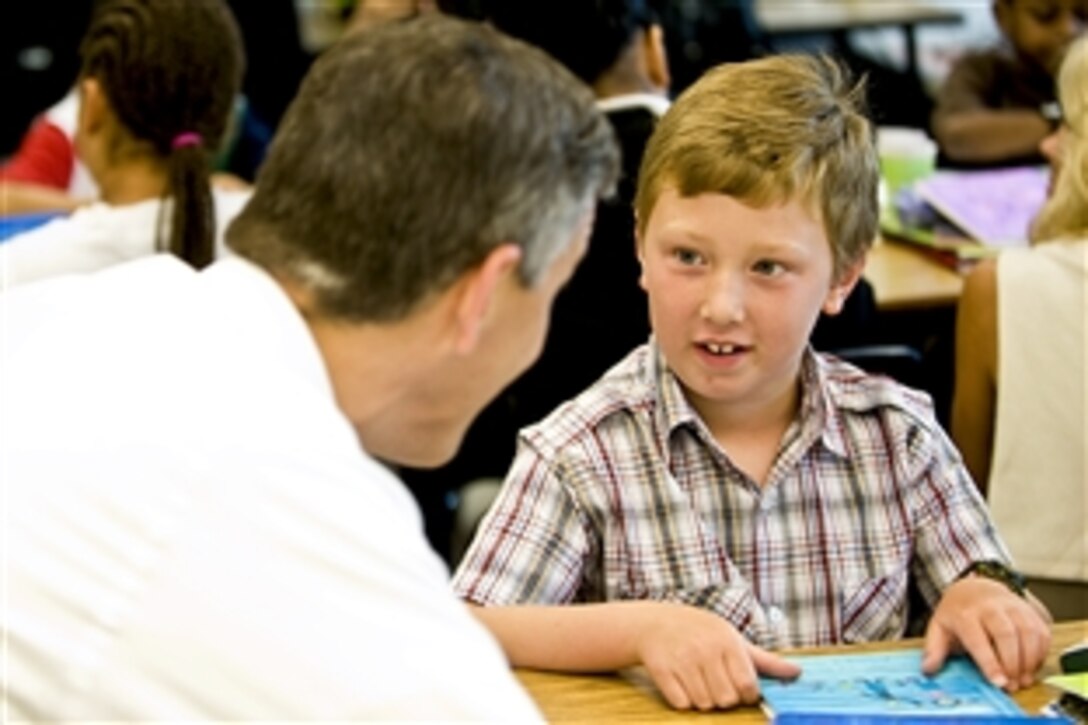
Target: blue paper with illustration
886,683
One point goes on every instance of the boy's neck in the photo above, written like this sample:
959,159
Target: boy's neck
752,434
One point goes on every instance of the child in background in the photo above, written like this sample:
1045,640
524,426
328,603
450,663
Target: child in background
736,490
156,92
1019,411
44,174
996,106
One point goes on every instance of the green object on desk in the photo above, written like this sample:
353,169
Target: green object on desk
1076,684
955,252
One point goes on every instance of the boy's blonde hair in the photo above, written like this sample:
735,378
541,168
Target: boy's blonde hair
1065,214
767,132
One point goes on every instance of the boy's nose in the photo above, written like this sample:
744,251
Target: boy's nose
725,301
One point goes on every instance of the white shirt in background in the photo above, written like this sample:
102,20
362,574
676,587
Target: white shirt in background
100,235
1038,488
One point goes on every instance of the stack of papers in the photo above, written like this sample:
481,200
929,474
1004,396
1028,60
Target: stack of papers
992,207
964,216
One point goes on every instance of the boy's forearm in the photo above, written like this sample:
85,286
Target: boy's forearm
574,638
991,136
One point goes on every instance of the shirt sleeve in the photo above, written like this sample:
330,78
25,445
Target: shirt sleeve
969,85
533,545
541,544
954,528
44,157
735,603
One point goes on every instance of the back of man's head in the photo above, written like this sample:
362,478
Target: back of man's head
588,36
411,151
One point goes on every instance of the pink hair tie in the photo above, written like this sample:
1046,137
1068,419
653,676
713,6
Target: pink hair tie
188,138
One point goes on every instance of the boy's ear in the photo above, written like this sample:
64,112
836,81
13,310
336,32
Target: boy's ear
641,256
478,292
842,287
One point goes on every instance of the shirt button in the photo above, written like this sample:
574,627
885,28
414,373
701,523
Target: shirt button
775,616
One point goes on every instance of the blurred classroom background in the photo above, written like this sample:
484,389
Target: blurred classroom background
904,47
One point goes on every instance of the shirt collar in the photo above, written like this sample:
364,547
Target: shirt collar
673,411
267,316
819,419
656,104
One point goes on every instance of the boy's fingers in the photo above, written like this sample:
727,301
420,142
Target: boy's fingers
742,671
772,665
976,641
722,687
691,678
671,689
1034,645
1039,649
936,647
1004,639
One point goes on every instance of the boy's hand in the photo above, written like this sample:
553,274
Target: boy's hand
1007,636
697,659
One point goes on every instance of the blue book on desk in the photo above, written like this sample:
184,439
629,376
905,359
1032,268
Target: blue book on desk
801,719
885,684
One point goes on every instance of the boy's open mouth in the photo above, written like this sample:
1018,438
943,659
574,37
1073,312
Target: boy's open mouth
722,349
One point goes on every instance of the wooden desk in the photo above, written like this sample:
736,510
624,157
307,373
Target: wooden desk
631,695
839,17
904,278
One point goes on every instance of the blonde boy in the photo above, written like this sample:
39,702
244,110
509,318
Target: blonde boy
737,491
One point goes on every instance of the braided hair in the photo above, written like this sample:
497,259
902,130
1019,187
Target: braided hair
170,70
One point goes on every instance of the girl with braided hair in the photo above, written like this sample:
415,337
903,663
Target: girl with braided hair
156,92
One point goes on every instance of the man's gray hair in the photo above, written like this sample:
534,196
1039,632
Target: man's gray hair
413,150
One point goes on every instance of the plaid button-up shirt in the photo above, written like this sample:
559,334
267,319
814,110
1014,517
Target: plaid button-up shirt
623,493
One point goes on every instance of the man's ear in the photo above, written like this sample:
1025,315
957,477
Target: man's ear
657,62
842,288
478,291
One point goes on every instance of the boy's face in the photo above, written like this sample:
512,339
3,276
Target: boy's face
1041,30
734,292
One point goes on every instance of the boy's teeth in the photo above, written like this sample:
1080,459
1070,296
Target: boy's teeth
720,349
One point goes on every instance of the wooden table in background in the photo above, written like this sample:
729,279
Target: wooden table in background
631,696
839,17
905,278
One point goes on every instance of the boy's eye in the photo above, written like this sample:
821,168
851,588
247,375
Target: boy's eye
768,268
688,257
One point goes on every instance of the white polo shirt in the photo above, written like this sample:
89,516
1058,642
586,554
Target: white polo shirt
191,529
